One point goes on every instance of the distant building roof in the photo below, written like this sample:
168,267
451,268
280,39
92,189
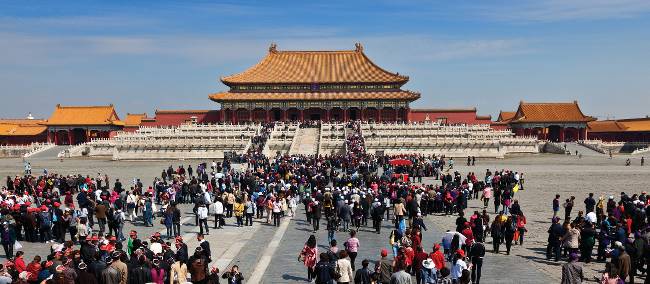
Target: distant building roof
506,116
550,112
21,127
621,125
315,96
345,66
134,119
84,115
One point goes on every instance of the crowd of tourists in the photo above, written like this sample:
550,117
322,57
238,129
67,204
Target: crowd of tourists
616,228
83,217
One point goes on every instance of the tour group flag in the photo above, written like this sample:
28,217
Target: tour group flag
516,188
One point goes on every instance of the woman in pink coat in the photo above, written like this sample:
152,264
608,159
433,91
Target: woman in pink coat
308,256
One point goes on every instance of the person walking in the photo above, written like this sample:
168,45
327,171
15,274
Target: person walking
238,208
344,269
217,209
555,233
202,213
352,247
476,254
308,257
324,270
250,211
572,271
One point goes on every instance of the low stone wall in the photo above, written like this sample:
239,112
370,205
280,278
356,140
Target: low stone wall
167,154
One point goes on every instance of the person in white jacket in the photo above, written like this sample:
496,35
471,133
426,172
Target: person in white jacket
216,208
202,211
344,268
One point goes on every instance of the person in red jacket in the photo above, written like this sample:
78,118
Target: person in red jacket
34,268
437,256
19,261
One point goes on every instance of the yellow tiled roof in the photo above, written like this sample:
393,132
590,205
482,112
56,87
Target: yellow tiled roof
21,127
315,96
347,66
506,116
134,119
550,112
621,125
84,115
636,124
606,126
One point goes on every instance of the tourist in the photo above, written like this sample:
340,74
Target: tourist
383,268
572,271
458,265
308,257
555,234
556,205
476,254
238,209
568,206
428,273
363,275
250,211
233,275
202,213
324,271
178,271
8,236
217,210
352,246
509,230
400,276
344,268
277,209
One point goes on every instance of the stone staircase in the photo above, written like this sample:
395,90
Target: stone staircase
305,142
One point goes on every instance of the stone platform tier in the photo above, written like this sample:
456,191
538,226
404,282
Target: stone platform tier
448,140
213,141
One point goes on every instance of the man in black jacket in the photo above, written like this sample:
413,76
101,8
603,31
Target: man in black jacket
476,254
324,270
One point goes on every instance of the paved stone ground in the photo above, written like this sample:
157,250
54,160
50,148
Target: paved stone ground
250,247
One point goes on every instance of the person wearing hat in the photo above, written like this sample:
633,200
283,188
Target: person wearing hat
428,273
572,271
83,276
120,266
458,265
178,272
384,268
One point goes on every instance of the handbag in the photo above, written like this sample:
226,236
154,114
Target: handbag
17,246
337,271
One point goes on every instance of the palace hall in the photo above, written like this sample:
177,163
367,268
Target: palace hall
315,85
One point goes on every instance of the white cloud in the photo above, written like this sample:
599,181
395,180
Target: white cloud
564,10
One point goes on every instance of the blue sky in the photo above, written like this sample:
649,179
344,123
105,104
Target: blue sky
147,55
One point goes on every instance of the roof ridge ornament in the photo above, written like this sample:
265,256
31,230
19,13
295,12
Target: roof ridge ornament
273,48
358,47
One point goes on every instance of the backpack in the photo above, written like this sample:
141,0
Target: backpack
47,221
117,216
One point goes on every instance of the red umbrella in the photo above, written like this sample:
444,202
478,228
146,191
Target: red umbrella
400,162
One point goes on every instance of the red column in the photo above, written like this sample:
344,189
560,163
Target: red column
250,115
56,137
302,115
379,115
234,116
268,116
345,114
362,111
70,137
327,115
562,134
221,115
284,115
